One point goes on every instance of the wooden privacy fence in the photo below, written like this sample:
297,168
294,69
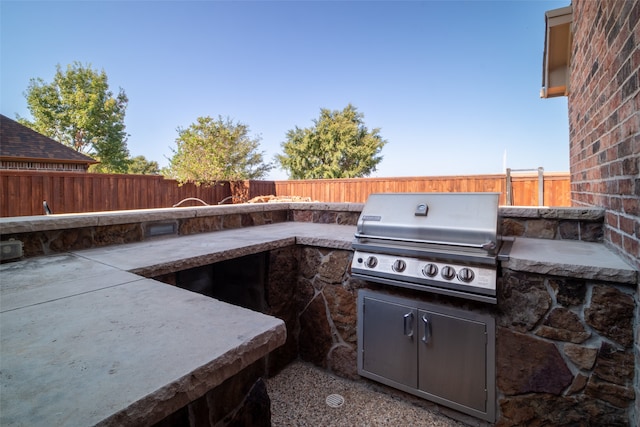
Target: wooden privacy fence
22,192
524,187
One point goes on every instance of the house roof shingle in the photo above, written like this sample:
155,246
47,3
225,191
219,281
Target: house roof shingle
18,142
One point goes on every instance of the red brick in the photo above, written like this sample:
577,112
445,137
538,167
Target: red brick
630,126
604,187
615,169
627,110
630,246
625,186
630,165
625,148
614,237
612,187
612,219
634,15
630,206
627,225
635,58
615,203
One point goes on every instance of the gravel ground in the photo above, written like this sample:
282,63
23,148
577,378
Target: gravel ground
299,398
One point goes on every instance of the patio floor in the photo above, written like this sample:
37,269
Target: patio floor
299,398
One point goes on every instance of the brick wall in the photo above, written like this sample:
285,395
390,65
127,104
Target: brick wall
604,118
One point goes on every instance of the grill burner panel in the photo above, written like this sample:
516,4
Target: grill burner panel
466,281
438,242
427,271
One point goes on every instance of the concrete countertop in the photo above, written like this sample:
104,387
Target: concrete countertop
569,258
121,353
165,255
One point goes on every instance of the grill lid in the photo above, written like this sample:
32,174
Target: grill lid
468,220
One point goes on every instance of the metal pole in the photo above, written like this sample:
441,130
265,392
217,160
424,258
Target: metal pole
540,186
509,200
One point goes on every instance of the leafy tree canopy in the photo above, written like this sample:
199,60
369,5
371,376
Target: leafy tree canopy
78,109
140,165
337,146
212,150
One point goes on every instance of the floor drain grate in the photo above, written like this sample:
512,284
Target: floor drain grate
335,400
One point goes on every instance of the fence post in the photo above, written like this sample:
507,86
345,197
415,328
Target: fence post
509,200
540,186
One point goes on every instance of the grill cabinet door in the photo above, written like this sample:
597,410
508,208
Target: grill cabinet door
389,341
452,359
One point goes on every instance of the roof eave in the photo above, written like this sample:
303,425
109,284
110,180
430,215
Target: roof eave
47,160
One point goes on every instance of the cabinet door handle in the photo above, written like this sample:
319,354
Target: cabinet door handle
426,337
408,324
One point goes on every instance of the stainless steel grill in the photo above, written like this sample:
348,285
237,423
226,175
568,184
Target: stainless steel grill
446,243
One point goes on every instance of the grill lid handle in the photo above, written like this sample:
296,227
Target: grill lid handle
363,218
489,246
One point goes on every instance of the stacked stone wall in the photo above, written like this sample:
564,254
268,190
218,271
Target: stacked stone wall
565,347
65,234
564,351
325,216
327,309
603,117
241,400
281,301
46,242
553,224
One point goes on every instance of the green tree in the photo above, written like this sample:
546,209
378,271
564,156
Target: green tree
213,150
78,109
337,146
140,165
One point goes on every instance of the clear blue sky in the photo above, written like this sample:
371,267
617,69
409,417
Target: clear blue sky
452,85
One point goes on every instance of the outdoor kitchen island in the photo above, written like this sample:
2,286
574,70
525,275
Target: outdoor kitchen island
566,311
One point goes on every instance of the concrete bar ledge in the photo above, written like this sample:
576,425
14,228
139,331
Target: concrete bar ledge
565,213
317,206
24,224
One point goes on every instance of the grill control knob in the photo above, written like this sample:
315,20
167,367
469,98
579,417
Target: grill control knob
448,272
430,270
466,275
399,265
371,262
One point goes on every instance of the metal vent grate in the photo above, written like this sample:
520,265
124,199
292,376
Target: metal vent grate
10,249
335,400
